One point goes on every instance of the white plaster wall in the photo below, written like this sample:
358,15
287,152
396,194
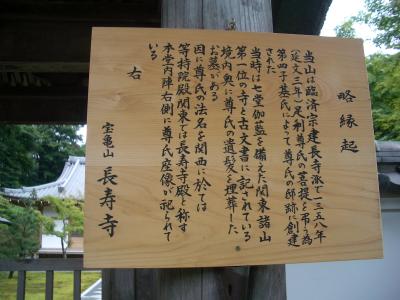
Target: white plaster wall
49,212
352,280
51,241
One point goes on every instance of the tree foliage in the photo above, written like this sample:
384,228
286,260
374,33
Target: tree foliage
21,239
17,155
346,30
384,16
384,81
35,154
69,211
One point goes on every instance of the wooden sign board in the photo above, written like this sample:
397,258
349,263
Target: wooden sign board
216,148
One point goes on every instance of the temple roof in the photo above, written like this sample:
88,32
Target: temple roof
388,159
387,151
71,183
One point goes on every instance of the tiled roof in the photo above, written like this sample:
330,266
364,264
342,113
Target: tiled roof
388,158
387,151
71,183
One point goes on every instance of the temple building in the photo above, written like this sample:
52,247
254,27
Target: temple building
70,184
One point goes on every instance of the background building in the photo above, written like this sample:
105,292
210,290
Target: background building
70,184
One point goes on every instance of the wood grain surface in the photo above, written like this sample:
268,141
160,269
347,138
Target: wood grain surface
350,197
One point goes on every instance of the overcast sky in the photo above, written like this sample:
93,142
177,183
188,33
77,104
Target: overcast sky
339,11
342,10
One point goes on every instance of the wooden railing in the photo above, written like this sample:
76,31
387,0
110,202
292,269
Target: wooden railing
46,264
228,283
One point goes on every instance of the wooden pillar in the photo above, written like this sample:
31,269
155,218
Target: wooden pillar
257,282
249,15
119,284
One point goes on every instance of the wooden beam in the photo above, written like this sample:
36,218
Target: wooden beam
42,41
52,264
44,67
54,37
50,97
45,108
39,36
52,41
127,12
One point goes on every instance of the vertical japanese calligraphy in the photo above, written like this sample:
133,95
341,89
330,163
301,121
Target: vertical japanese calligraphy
225,148
108,180
167,111
237,74
347,144
201,183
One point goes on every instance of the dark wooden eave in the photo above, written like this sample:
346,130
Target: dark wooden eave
299,17
45,46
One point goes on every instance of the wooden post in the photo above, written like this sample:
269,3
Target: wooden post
257,282
49,284
77,284
21,285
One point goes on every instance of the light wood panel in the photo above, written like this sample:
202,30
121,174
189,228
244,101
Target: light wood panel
349,203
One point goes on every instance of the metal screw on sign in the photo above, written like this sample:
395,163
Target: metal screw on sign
231,25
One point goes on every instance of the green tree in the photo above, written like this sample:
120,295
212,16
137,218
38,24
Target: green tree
35,154
18,150
346,30
56,143
383,16
21,239
69,211
384,82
